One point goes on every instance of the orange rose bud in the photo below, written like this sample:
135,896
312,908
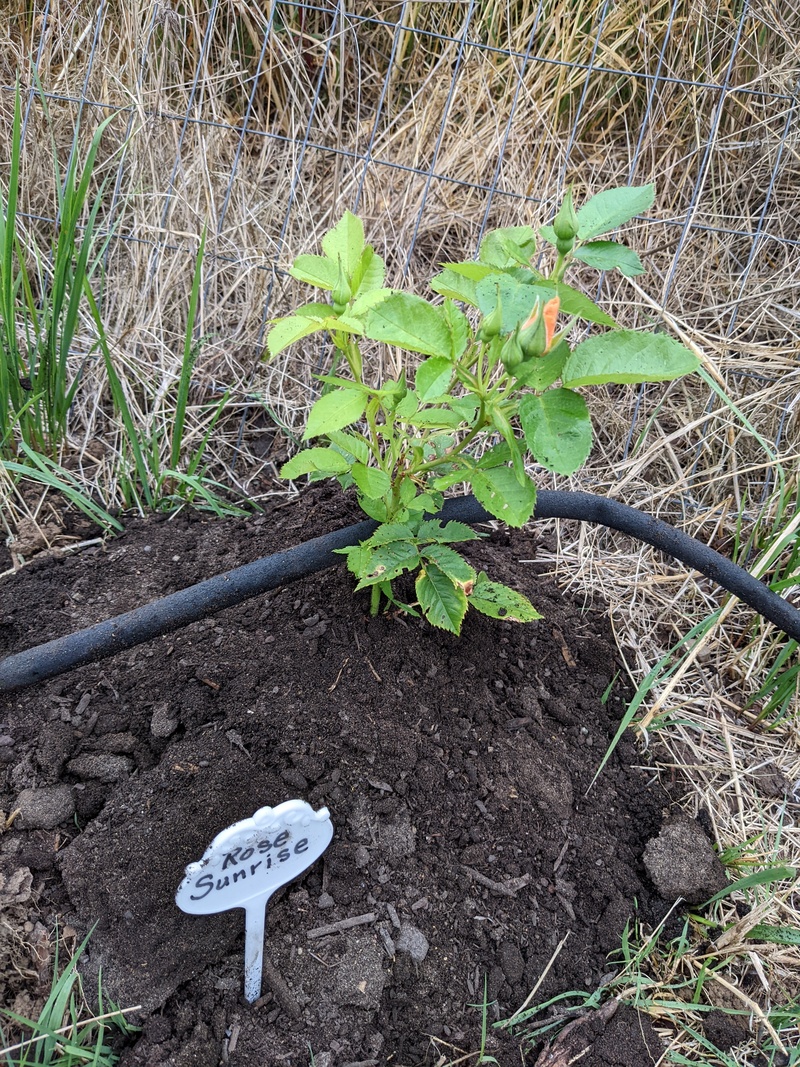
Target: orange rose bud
550,316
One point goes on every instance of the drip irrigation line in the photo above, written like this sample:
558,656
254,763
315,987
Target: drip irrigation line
225,590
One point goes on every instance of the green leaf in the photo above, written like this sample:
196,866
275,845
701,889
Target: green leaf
334,411
519,296
371,481
450,563
458,325
407,406
327,460
626,357
547,233
470,269
499,602
433,378
516,297
388,532
286,331
451,284
433,418
496,456
319,312
576,303
375,508
443,603
446,480
315,270
540,374
426,503
464,406
364,301
501,422
609,255
352,447
345,243
370,273
612,208
411,323
557,428
774,935
452,531
766,877
388,562
508,246
503,496
358,558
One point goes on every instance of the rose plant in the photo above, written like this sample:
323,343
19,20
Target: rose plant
498,388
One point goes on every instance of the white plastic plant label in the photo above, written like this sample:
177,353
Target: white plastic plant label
245,864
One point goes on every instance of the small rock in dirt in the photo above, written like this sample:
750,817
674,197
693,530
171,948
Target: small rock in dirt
412,940
325,900
44,808
682,863
103,766
362,857
163,723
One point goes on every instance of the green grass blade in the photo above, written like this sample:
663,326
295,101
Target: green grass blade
644,688
189,355
200,451
120,401
772,874
47,472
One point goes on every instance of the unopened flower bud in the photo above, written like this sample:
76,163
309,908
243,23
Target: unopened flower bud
533,338
511,354
492,323
341,292
566,224
537,332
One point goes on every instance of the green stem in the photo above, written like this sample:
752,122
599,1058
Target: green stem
375,600
557,274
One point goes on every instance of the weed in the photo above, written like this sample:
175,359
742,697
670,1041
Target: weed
63,1035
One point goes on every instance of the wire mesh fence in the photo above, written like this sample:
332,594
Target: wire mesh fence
433,121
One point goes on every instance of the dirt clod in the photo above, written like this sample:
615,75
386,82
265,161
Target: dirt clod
44,808
683,864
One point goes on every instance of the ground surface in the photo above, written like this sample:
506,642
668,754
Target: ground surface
455,772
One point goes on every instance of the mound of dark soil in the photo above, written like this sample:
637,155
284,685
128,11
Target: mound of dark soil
455,770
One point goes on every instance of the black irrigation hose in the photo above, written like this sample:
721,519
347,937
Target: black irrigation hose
208,597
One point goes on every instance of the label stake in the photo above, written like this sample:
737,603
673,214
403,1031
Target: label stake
246,863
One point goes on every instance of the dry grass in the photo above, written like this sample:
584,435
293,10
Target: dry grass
268,143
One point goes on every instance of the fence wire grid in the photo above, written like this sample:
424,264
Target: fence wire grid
433,121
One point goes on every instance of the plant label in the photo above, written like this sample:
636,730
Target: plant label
246,863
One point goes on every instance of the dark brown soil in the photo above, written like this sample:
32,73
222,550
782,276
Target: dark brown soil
456,773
